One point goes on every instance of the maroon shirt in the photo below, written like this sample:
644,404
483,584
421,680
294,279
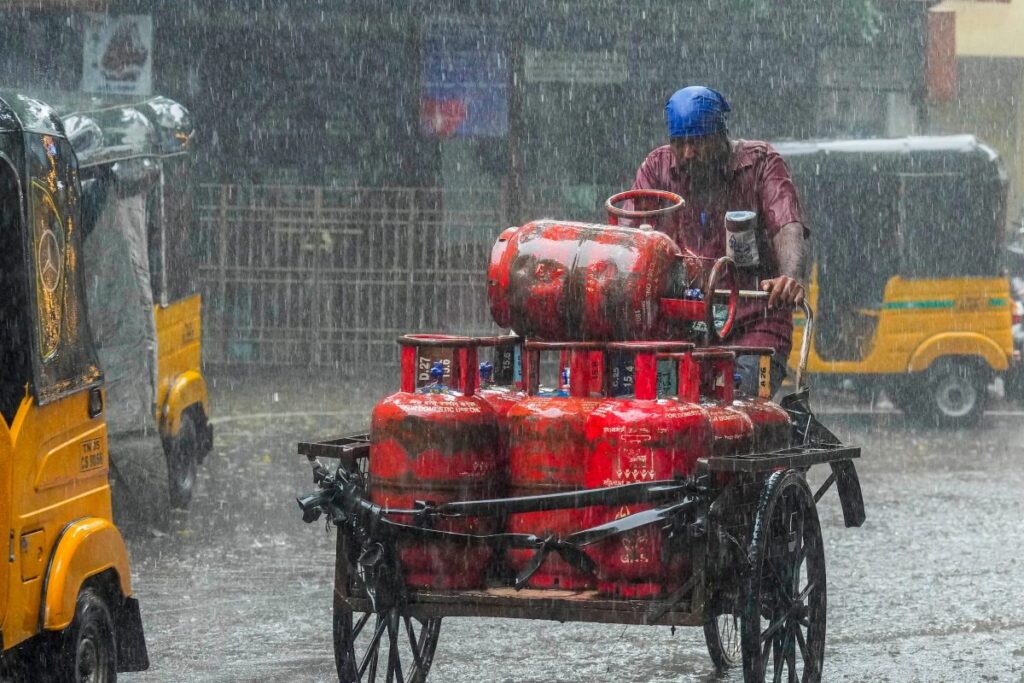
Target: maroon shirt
758,180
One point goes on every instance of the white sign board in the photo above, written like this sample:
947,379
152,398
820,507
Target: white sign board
558,66
118,54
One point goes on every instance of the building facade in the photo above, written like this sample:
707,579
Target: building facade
977,80
356,158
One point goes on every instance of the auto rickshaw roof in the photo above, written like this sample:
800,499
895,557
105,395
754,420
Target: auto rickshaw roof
104,130
917,196
963,144
21,113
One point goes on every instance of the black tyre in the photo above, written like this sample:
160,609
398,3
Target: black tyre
951,394
385,646
784,605
722,635
86,651
183,455
1013,383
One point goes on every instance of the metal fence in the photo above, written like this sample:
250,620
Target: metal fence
299,275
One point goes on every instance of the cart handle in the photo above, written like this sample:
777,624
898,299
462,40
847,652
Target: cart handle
805,343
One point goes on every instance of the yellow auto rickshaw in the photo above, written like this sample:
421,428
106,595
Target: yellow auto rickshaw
907,249
65,584
144,310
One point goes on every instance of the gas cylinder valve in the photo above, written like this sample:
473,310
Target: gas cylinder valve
486,371
437,371
436,375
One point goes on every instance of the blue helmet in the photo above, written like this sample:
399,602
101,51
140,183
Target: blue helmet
695,111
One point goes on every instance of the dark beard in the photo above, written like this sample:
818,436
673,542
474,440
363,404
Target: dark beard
706,179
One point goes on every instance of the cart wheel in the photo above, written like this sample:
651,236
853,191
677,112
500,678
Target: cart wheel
182,452
397,648
722,635
783,620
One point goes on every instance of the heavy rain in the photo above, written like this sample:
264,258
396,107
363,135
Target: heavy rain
511,340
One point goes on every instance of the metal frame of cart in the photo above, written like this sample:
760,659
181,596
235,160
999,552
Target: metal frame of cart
747,523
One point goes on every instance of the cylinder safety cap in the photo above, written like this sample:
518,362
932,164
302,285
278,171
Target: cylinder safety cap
486,370
437,371
695,111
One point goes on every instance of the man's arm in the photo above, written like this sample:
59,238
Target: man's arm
784,223
790,245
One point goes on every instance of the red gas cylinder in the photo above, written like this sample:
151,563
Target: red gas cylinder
559,280
436,441
547,452
772,428
501,382
714,368
636,438
501,378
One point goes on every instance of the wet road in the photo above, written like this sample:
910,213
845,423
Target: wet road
930,589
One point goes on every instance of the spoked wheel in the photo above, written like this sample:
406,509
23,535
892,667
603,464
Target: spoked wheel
386,646
722,635
783,620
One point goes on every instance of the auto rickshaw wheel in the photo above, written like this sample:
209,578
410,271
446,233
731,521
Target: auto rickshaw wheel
183,454
408,646
722,635
86,651
1013,384
784,605
952,394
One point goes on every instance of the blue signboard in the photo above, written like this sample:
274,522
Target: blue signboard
465,80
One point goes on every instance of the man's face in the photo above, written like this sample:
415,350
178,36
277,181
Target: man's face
700,157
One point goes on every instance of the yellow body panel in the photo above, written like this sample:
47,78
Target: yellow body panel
54,477
958,344
180,383
6,461
87,547
920,321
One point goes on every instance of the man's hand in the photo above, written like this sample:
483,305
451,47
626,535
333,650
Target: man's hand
790,244
783,291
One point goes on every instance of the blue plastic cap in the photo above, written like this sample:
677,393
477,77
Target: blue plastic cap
693,294
737,378
486,370
437,371
695,111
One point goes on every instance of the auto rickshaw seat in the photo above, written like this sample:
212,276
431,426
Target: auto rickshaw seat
14,341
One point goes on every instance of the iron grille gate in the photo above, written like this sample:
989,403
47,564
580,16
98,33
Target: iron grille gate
300,275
